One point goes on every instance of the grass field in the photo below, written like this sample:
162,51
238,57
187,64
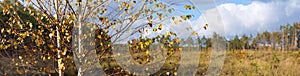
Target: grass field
271,63
245,63
254,63
236,63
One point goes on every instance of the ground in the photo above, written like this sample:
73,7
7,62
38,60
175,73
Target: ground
236,63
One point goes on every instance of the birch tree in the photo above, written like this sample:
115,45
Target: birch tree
67,27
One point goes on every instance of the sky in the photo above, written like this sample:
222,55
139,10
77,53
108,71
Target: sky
237,17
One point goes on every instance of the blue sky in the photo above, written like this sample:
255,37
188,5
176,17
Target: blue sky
202,7
237,17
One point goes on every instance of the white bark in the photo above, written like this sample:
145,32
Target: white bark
59,62
79,45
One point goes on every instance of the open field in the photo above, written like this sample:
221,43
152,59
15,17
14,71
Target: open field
251,63
236,63
246,63
269,63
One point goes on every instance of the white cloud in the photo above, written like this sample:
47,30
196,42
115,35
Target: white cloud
231,19
252,18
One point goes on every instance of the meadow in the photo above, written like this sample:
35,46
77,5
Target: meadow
236,63
257,63
239,63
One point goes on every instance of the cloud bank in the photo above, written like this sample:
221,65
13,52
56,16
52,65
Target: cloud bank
258,16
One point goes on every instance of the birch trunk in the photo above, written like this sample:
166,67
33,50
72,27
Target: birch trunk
59,62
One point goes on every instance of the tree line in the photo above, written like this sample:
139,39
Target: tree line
286,39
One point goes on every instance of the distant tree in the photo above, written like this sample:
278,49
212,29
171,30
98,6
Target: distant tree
199,42
190,43
250,41
208,43
235,43
286,33
276,39
283,36
204,40
183,41
266,39
244,41
298,34
294,36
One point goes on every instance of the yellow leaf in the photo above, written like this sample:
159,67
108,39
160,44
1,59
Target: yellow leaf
189,7
20,57
113,27
32,14
177,40
30,25
165,34
51,34
99,36
180,49
43,58
195,33
150,24
120,8
8,30
183,17
2,30
16,3
21,27
171,43
146,43
104,11
101,43
71,21
154,29
5,11
7,5
147,52
160,27
55,16
176,22
10,18
142,46
168,73
206,26
123,3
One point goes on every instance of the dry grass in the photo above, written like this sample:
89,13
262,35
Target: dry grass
256,63
241,63
236,63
